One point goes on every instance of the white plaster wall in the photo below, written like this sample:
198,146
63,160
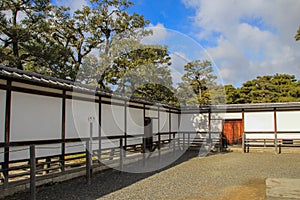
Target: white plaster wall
194,122
202,120
155,125
77,114
75,147
110,143
2,114
216,125
165,137
112,120
232,116
48,150
17,153
135,121
288,136
226,116
80,146
288,121
135,140
260,136
188,122
163,121
35,117
174,122
1,154
151,113
259,121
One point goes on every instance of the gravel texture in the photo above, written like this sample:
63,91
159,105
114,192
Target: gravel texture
217,176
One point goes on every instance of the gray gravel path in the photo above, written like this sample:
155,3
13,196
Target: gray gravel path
218,176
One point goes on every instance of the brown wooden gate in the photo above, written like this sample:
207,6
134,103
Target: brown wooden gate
233,130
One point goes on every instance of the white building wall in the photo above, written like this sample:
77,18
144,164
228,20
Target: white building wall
1,154
259,121
174,122
188,123
77,115
35,117
135,121
112,120
288,121
163,121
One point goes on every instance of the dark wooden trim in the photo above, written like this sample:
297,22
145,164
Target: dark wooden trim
100,129
7,130
81,98
158,126
243,121
275,131
170,125
63,131
3,87
209,125
144,136
125,122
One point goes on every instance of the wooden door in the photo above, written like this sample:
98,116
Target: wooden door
232,130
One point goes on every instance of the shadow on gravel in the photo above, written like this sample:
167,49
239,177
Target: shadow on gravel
103,183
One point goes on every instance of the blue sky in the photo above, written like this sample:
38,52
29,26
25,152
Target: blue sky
172,13
243,39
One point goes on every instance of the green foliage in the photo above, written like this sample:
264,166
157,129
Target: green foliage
19,22
232,94
197,82
266,89
47,39
144,72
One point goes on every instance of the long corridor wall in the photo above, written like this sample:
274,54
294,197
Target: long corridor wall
34,109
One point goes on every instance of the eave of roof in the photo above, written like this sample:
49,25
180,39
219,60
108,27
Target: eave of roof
51,82
46,81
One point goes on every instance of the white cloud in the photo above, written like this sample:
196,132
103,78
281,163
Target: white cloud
159,34
245,49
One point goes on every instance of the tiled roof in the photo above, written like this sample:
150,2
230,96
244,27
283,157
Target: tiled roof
34,78
19,75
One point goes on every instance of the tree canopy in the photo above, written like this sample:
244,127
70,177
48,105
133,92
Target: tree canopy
197,85
265,89
100,44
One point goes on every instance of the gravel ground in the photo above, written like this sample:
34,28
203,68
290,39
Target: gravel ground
217,176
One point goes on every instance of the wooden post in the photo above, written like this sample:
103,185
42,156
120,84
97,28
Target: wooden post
221,142
209,128
144,138
243,143
275,132
32,173
244,135
178,127
88,162
100,129
121,154
159,136
125,127
63,132
170,130
183,138
7,131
